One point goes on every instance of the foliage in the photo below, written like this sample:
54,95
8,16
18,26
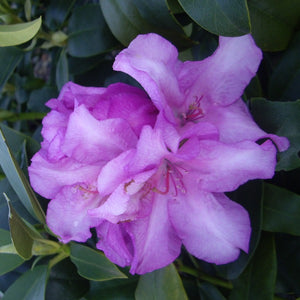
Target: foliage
44,44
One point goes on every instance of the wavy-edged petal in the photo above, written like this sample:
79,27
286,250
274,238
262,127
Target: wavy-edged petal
211,226
67,213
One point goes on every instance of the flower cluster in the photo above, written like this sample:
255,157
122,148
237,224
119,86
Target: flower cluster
148,168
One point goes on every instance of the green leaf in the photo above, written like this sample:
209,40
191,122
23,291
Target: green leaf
164,283
18,181
30,286
39,97
284,82
281,212
208,291
8,261
281,118
258,280
10,58
128,18
15,34
92,264
88,38
221,17
62,70
273,22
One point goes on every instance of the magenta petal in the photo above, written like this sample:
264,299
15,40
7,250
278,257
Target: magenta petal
155,243
222,77
211,226
89,140
67,213
224,167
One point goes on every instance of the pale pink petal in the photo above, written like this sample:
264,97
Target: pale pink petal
89,140
67,214
223,167
211,226
155,242
115,242
48,178
152,61
222,77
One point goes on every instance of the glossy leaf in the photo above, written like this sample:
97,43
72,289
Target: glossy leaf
221,17
88,38
30,286
273,22
10,58
15,34
18,181
128,18
281,212
92,264
8,261
163,283
284,82
258,279
281,118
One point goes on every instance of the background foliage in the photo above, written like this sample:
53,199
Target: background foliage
44,44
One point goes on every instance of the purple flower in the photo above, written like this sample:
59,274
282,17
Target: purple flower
151,176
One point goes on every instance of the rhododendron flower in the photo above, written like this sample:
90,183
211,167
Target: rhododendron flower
149,170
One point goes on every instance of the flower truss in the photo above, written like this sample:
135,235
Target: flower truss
148,168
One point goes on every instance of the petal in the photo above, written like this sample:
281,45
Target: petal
47,178
155,243
115,242
222,77
222,167
211,226
152,61
236,124
67,213
89,140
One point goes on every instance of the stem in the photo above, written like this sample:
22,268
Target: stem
23,116
208,278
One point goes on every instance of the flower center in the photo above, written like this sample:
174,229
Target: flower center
194,112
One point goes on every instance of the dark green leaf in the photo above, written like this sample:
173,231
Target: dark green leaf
258,280
284,82
62,70
39,97
15,34
10,58
281,118
92,264
273,22
221,17
80,65
164,283
88,38
30,286
128,18
8,262
18,181
281,211
208,291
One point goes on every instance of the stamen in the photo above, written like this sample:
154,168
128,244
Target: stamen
194,112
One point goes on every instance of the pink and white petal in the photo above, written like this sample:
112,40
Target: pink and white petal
88,140
152,61
155,242
222,167
67,213
222,77
203,131
48,178
236,124
211,226
115,242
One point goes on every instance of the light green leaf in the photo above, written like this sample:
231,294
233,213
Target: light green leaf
281,210
258,280
15,34
18,181
93,265
221,17
164,284
9,261
30,286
